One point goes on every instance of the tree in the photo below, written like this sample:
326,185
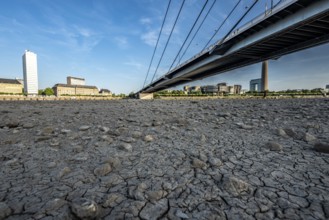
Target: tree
48,92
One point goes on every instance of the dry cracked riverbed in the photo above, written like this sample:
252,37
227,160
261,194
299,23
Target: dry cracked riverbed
192,159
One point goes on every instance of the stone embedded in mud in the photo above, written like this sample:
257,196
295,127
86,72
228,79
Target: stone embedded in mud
103,169
84,128
322,147
148,138
235,186
84,208
273,146
5,210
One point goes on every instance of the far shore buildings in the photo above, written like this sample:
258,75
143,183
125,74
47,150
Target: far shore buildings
30,73
10,86
76,86
220,88
255,85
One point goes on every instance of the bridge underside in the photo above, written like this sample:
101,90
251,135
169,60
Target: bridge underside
255,45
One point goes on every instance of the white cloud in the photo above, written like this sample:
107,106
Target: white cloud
145,21
122,42
134,64
150,38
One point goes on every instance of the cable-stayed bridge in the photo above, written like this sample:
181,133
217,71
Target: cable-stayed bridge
290,26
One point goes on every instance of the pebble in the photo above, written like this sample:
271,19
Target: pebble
126,147
322,147
84,128
273,146
103,169
5,210
84,208
148,138
309,138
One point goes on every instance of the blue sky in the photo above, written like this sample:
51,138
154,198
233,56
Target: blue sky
110,42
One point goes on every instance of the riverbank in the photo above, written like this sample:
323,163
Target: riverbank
165,159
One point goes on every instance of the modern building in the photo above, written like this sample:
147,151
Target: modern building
237,89
64,89
209,89
255,85
230,90
194,89
30,73
10,86
222,87
327,86
105,92
75,81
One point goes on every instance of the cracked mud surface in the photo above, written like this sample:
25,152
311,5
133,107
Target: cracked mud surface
133,159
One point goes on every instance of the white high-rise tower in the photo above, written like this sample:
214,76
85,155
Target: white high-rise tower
30,72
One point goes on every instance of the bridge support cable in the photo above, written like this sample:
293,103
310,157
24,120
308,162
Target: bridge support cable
236,24
189,33
156,45
197,31
180,10
221,25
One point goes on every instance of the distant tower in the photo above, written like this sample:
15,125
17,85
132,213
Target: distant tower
30,72
264,76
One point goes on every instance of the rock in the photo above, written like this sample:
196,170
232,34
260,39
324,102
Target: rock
244,126
181,214
291,133
203,138
235,186
136,134
126,147
153,211
63,172
5,211
148,138
42,138
12,123
154,195
84,208
103,169
196,163
84,128
215,162
28,125
273,146
224,114
322,147
65,131
308,137
104,129
47,131
281,132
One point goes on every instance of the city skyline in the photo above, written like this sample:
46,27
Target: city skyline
111,44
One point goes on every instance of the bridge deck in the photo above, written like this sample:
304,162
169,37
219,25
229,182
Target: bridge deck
295,26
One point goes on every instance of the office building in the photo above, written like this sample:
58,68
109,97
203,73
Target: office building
237,89
30,72
64,89
209,89
327,86
75,81
10,86
255,85
222,87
